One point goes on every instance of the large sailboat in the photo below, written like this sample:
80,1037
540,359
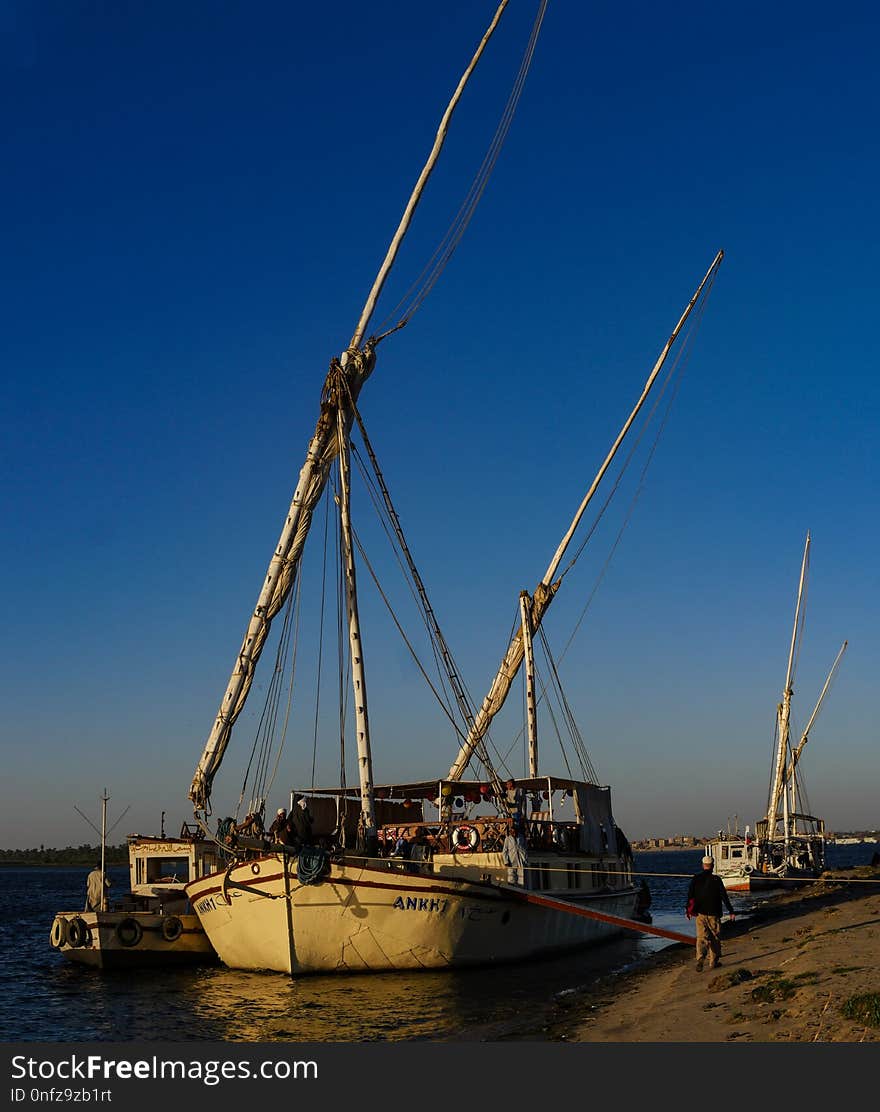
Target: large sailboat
788,846
470,864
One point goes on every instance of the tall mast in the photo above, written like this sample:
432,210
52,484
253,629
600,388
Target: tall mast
357,363
546,589
531,708
104,800
358,675
783,714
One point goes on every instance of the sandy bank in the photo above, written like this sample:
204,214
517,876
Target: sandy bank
786,974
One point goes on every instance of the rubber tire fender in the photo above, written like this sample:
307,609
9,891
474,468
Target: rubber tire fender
129,931
77,932
172,928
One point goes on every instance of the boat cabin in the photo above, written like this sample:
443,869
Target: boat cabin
160,867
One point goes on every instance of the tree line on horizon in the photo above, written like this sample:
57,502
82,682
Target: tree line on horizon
70,855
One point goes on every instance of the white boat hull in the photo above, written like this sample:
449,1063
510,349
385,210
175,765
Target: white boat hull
362,918
130,939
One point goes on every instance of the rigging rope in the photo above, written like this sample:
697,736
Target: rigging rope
435,266
676,373
265,732
435,634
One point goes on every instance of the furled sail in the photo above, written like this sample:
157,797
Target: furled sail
783,714
547,588
323,449
356,364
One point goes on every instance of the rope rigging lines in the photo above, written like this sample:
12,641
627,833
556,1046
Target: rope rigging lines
422,286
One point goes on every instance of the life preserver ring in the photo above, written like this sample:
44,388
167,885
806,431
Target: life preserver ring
747,869
465,838
58,933
129,931
255,868
172,928
77,932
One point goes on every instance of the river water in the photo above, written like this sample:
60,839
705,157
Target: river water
44,997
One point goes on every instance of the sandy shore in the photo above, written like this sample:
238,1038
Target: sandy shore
786,974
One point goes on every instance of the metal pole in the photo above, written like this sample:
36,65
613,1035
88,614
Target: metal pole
104,798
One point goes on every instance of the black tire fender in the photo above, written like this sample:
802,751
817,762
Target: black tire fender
129,931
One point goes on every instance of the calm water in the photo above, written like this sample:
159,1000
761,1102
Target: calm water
44,997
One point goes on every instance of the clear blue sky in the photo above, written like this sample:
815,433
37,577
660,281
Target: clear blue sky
196,198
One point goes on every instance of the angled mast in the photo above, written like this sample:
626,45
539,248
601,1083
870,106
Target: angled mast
546,589
783,714
356,364
795,757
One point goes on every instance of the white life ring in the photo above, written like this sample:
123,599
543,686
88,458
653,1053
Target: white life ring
465,838
747,869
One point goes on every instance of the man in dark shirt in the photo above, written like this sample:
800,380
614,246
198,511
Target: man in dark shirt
705,896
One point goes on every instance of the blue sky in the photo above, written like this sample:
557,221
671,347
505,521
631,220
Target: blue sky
196,200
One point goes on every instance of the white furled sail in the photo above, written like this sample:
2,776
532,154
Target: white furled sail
546,589
784,710
356,364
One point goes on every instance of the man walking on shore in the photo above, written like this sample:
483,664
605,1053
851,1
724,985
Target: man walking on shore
705,896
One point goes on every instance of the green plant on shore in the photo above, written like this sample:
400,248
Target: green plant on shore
779,988
863,1008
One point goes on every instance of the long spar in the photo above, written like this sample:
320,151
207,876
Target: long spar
805,736
546,589
357,364
784,712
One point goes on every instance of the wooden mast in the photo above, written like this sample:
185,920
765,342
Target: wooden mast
783,714
795,757
357,363
546,589
531,707
358,675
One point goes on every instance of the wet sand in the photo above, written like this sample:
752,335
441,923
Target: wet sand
786,972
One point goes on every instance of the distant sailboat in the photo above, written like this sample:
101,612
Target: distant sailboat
437,873
789,844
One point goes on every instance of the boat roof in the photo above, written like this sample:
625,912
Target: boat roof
432,788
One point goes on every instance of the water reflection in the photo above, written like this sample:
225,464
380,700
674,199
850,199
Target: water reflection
267,1007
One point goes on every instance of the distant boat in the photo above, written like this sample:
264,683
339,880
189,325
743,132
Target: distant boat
789,844
444,872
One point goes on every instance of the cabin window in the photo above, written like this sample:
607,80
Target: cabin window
209,864
724,853
736,853
167,869
572,875
139,877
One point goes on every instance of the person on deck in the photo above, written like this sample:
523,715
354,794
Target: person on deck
299,822
278,824
706,893
515,857
96,885
403,846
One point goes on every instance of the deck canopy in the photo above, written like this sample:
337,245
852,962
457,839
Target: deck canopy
430,789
